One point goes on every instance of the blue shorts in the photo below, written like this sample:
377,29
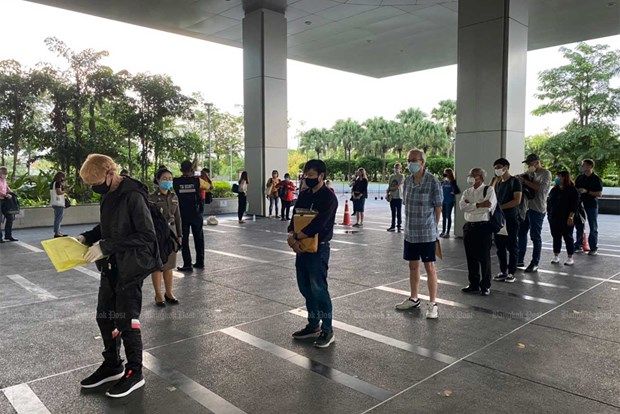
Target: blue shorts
417,251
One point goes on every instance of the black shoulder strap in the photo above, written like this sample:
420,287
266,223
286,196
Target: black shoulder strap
484,192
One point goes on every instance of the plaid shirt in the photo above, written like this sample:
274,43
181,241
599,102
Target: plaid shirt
420,201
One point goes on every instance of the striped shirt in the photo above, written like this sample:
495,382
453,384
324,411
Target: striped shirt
420,201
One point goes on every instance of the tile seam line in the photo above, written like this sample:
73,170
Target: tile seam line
541,384
486,346
576,333
199,336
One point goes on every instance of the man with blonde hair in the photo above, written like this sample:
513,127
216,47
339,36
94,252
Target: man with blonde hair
124,245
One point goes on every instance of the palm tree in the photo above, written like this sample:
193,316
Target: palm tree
314,140
399,138
347,133
445,114
380,133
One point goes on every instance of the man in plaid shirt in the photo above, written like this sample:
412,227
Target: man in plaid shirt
422,199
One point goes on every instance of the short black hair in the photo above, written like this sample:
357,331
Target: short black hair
316,165
206,170
187,166
161,172
502,161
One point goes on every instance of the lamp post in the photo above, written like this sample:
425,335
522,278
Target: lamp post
209,106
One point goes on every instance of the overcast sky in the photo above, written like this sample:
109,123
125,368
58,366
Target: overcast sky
316,95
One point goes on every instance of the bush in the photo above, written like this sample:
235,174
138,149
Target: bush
611,181
436,165
222,189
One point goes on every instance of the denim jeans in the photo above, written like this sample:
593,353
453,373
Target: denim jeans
592,214
59,213
507,246
446,214
533,224
396,206
8,223
273,201
312,281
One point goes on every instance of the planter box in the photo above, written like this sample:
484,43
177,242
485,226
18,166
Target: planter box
30,217
222,206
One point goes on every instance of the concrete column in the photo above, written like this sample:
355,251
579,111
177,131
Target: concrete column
264,94
490,119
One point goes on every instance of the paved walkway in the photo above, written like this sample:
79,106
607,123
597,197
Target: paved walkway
548,343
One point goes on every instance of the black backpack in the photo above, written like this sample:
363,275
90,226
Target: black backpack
282,191
235,188
166,242
497,220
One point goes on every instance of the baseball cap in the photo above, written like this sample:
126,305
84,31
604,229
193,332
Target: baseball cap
531,158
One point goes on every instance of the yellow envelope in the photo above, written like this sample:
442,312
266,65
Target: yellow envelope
65,252
300,221
438,249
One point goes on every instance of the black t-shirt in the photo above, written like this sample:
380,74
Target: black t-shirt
505,193
591,183
188,192
326,203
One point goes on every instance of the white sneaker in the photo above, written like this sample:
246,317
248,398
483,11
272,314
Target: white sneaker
569,262
431,311
408,304
555,260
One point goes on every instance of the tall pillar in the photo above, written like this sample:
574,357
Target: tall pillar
490,118
264,95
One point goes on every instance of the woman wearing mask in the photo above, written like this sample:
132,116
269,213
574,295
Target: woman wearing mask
286,189
271,188
168,203
57,198
207,195
243,199
359,194
562,204
5,194
450,190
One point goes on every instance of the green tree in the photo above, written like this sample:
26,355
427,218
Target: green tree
346,134
380,133
445,114
316,140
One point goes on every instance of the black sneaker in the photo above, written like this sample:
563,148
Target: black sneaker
470,289
130,382
500,277
307,332
578,249
509,279
199,265
531,268
485,292
399,229
10,239
325,339
520,264
185,269
104,374
391,229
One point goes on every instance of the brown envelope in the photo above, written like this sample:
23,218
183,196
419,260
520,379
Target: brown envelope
438,249
300,221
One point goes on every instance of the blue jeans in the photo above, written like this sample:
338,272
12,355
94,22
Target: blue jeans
312,281
446,214
8,223
533,224
59,213
273,201
592,214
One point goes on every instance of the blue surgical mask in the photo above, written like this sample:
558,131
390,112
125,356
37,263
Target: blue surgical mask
414,167
557,181
582,169
165,185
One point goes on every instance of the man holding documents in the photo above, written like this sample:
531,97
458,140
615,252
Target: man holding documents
126,253
310,231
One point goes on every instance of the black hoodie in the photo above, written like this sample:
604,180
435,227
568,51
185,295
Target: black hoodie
125,232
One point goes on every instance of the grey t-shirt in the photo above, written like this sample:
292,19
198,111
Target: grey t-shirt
539,202
396,180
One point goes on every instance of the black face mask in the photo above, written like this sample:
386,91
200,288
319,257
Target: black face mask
445,175
312,182
101,188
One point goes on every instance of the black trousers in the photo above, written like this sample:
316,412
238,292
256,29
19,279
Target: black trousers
286,208
560,229
118,317
243,199
396,207
195,224
508,246
477,240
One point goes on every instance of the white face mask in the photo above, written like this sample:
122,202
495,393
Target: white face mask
531,169
499,172
471,180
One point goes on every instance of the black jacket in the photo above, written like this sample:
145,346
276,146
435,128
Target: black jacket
126,233
561,202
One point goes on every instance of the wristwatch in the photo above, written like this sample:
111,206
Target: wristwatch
295,236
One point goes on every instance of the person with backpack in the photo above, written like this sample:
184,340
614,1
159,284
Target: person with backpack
206,195
168,204
562,205
242,188
271,188
125,248
509,192
187,188
478,203
57,200
286,189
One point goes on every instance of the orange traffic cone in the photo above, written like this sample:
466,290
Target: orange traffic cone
347,215
585,244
